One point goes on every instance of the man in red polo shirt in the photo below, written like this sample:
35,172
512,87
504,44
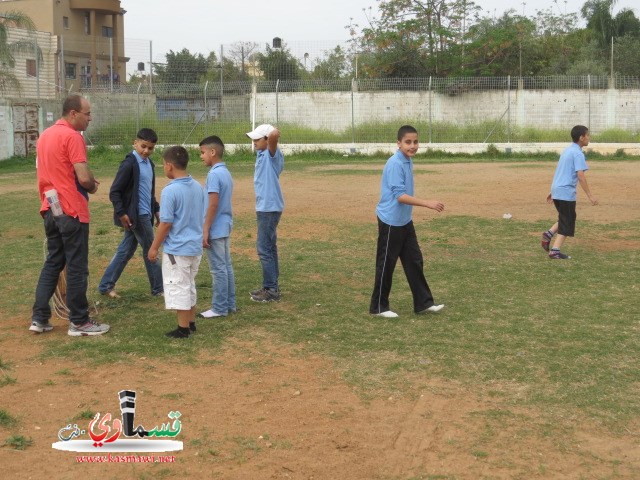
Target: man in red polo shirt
61,165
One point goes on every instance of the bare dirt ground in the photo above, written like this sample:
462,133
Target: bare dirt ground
264,409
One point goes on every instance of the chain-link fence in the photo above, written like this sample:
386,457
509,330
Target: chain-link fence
187,97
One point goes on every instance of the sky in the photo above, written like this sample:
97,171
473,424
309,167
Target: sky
203,26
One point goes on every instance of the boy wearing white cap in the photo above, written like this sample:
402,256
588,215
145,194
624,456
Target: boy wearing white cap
269,206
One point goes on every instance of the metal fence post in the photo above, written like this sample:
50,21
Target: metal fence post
509,109
111,64
138,107
589,102
206,109
277,87
353,121
430,101
150,67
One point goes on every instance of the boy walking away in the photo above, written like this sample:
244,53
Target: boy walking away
180,234
396,233
218,222
569,172
269,206
134,209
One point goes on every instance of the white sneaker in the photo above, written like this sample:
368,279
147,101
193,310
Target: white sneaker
432,309
210,314
387,314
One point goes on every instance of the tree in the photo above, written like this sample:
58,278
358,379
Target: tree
278,64
182,68
604,26
240,53
333,66
416,38
8,49
626,55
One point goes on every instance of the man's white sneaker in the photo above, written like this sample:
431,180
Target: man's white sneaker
432,309
209,314
387,314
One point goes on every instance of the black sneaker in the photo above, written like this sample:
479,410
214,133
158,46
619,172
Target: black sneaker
192,327
259,291
545,241
266,295
178,333
558,255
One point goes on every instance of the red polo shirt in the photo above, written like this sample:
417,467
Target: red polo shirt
59,147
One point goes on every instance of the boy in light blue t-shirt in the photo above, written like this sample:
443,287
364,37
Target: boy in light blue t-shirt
180,234
218,222
396,234
269,206
569,172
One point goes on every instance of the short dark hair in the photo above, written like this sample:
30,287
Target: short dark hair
72,102
404,130
147,135
214,141
177,156
577,132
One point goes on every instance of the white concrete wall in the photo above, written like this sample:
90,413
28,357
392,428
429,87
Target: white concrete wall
543,109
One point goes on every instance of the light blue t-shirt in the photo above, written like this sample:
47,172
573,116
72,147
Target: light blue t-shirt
565,178
144,185
219,181
182,204
397,179
266,181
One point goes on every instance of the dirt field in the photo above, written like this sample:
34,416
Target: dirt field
264,409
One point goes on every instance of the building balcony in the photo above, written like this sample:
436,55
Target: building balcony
100,6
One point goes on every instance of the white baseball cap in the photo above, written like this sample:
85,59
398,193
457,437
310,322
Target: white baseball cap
261,131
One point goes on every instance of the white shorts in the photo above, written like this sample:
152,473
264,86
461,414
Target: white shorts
179,280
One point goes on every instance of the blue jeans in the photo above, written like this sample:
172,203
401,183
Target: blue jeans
222,276
67,245
141,233
267,248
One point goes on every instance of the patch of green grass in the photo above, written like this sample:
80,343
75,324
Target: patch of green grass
7,420
85,415
7,380
18,442
5,365
64,372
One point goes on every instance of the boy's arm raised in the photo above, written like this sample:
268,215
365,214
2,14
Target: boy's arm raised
272,141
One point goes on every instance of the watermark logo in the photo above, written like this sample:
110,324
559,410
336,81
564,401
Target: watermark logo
120,434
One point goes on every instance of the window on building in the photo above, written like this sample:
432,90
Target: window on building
107,32
65,23
31,68
87,23
70,70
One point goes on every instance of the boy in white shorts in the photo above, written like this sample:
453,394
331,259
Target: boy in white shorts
180,234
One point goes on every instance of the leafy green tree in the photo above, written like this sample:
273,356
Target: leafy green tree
8,49
604,26
334,65
279,64
626,55
416,37
182,68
